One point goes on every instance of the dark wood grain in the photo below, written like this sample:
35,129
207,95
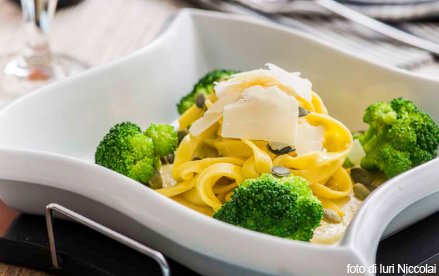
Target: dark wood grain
13,270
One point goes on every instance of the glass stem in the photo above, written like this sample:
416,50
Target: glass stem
37,15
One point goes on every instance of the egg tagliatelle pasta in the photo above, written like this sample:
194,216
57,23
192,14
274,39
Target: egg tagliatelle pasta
230,139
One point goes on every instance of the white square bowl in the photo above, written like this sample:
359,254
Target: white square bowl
48,140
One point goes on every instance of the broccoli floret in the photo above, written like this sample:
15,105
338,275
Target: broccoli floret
125,149
204,86
400,136
164,137
284,207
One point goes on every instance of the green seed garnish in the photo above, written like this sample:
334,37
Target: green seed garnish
361,191
360,175
280,171
200,100
331,216
303,111
181,134
281,151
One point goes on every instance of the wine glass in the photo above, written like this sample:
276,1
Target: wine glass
36,65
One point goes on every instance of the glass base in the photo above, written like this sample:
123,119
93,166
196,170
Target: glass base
17,78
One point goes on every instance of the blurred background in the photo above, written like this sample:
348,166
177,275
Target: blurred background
36,50
89,29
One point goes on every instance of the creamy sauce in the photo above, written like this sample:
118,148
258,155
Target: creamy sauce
330,233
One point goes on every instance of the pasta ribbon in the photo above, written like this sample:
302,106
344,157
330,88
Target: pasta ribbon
337,136
184,153
249,169
317,102
177,189
262,161
191,115
233,147
187,170
194,197
319,174
194,113
338,186
210,176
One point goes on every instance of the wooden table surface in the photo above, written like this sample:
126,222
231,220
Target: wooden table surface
96,32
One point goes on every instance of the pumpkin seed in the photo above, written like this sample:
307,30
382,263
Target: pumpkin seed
156,181
331,216
163,160
360,175
170,158
181,134
280,171
361,191
378,179
303,111
200,100
284,150
167,159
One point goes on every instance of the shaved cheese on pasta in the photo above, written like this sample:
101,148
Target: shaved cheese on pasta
225,87
230,91
204,123
310,138
300,86
266,114
214,113
290,83
357,153
225,99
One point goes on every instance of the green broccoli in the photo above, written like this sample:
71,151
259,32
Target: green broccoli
164,137
204,86
284,207
126,150
400,136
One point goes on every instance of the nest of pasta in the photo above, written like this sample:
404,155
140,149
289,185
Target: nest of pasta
241,131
